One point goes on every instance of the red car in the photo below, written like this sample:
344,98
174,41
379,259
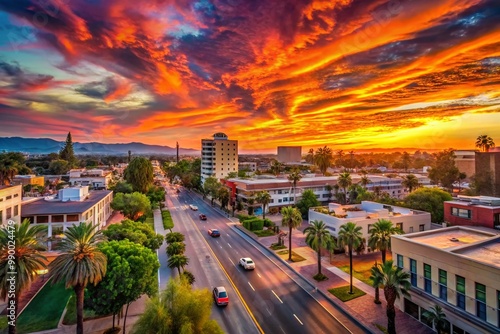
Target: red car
203,217
220,296
214,233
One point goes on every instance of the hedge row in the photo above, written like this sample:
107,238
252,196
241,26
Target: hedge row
168,223
253,223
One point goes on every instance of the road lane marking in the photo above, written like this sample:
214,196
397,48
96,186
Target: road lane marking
268,311
259,275
231,261
277,296
229,245
282,330
298,319
251,286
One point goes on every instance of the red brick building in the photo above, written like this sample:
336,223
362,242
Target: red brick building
473,211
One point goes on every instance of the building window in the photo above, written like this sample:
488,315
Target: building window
427,278
421,227
291,199
280,191
411,229
8,197
285,199
8,213
460,292
443,284
280,200
413,272
400,226
462,213
16,210
72,218
42,219
399,261
58,218
481,301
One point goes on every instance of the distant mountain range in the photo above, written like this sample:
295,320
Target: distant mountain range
47,145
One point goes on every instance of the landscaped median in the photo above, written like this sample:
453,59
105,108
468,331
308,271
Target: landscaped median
168,223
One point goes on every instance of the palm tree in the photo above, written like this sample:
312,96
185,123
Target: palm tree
25,262
264,198
351,165
8,168
340,154
405,160
176,248
323,158
276,167
380,238
310,156
294,177
364,181
410,182
178,261
317,237
396,282
291,218
437,316
350,235
344,181
80,262
484,143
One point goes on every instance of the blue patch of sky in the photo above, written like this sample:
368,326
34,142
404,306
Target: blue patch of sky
12,35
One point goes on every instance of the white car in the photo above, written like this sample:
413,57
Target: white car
247,263
193,207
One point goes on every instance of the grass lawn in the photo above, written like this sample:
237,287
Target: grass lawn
150,221
70,316
45,310
3,322
295,257
168,223
276,247
343,294
264,233
361,272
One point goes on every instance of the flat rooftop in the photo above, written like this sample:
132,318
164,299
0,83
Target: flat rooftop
449,237
487,252
42,207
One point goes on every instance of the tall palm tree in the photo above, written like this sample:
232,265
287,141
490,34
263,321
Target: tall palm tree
350,235
8,168
364,181
396,282
410,182
178,261
276,167
26,260
264,198
323,158
294,177
291,218
484,143
380,238
340,154
438,318
317,237
344,181
310,156
79,263
351,164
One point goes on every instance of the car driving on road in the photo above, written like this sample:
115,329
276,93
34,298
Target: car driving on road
247,263
214,233
220,296
203,216
193,207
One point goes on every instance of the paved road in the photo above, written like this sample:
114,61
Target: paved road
207,271
278,303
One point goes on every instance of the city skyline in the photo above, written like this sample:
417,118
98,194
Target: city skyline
347,74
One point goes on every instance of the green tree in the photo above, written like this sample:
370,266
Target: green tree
137,232
79,263
123,187
307,201
364,181
410,182
294,177
67,153
317,237
211,187
380,238
223,196
276,167
178,261
340,157
484,143
174,237
395,282
438,318
323,158
310,156
176,248
444,171
131,272
24,259
350,236
132,206
181,309
139,173
405,160
430,200
12,163
344,181
156,195
250,204
59,167
264,198
291,219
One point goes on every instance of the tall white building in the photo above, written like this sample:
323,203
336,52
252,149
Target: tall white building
219,156
10,203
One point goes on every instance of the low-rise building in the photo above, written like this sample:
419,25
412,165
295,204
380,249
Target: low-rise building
33,180
70,206
473,211
368,213
247,166
289,154
95,178
10,203
457,268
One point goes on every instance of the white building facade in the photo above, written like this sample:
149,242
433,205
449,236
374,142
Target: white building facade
10,203
95,178
219,156
457,268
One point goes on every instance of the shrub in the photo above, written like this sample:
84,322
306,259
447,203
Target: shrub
268,223
188,276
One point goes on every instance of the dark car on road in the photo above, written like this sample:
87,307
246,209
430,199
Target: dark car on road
203,217
220,296
214,233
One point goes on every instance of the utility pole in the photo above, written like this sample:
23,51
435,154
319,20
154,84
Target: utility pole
177,147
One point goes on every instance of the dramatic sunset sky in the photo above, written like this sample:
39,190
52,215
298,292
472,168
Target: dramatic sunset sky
350,74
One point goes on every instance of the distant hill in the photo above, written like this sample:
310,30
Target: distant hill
47,145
